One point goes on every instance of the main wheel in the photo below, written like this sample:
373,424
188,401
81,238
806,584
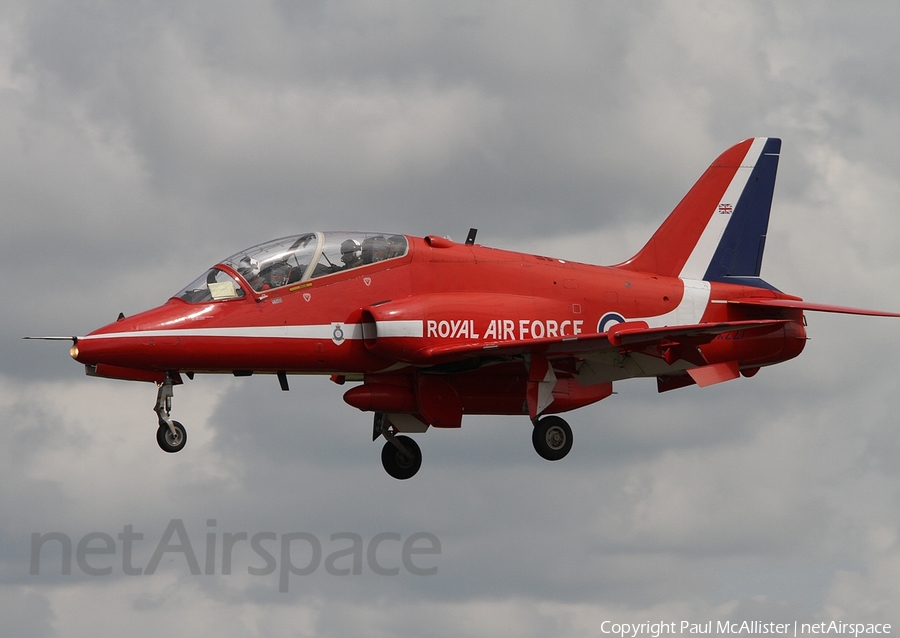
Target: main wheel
552,438
399,465
169,441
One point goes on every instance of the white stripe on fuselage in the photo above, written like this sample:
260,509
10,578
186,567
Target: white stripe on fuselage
320,331
412,328
698,262
688,312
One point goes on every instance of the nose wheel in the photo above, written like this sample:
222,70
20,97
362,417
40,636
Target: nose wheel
171,435
552,438
171,438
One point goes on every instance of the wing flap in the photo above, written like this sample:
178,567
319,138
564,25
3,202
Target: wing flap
717,373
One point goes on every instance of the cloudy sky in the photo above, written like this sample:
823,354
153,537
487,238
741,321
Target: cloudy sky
142,142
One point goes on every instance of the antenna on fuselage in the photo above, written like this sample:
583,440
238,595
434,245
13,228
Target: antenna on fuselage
470,239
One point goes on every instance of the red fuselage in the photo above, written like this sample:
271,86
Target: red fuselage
416,311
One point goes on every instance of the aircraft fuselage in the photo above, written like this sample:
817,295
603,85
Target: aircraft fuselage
389,315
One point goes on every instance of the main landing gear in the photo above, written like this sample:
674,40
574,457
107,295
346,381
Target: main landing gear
170,435
552,437
400,456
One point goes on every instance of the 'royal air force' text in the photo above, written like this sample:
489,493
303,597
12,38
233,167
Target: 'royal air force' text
503,329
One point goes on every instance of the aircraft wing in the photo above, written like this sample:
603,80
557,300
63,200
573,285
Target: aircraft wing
631,335
805,305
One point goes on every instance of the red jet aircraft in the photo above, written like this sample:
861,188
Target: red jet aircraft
433,329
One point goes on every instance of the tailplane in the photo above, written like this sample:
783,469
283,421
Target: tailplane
718,231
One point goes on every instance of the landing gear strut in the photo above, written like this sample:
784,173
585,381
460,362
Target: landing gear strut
171,435
400,456
552,438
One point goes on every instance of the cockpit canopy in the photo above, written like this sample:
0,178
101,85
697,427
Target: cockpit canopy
293,259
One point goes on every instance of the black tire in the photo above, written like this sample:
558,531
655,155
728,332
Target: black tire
169,442
398,464
552,438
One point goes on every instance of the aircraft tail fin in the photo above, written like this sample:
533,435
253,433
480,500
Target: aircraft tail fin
718,231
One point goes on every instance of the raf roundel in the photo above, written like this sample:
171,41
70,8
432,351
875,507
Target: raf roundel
610,318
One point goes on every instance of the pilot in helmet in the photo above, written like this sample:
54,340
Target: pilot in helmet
351,253
248,267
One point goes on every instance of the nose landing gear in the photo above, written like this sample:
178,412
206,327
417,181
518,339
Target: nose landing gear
171,438
171,435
